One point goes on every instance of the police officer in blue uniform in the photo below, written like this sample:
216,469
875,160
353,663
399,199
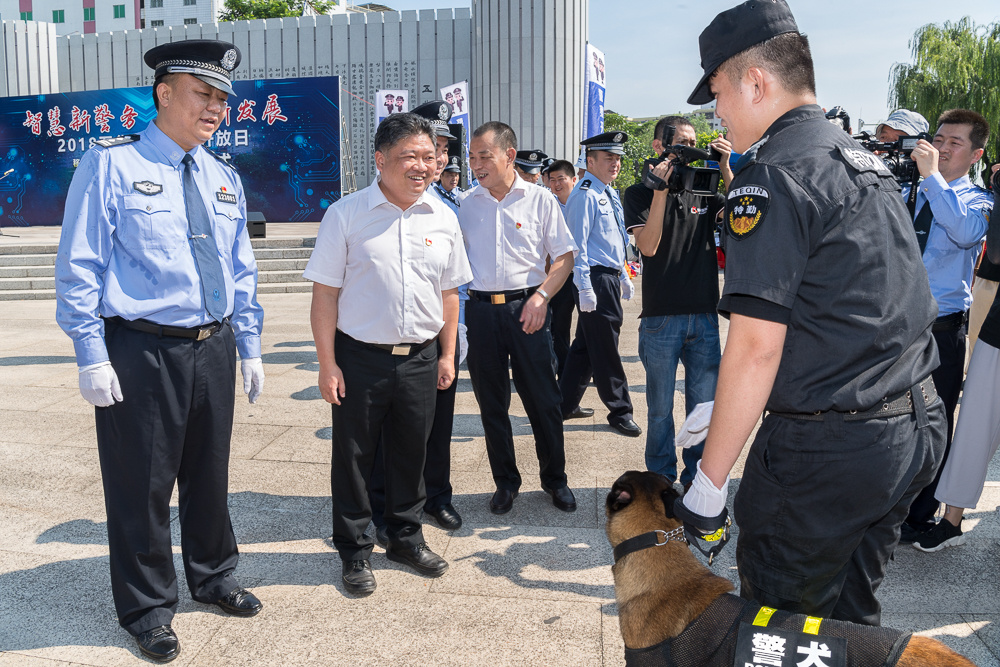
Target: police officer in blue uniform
528,164
437,468
156,285
594,215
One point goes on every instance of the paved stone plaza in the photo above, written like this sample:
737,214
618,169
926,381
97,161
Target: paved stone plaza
533,587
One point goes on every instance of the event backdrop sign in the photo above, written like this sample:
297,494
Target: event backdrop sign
283,137
593,110
388,102
457,95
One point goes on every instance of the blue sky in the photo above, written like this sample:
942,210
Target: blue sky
652,47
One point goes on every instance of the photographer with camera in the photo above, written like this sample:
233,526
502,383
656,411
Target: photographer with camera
950,223
675,234
901,123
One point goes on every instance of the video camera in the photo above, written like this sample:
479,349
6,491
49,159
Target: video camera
895,154
702,181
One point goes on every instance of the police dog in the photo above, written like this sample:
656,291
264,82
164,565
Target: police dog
662,590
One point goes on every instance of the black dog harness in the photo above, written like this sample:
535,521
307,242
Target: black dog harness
710,640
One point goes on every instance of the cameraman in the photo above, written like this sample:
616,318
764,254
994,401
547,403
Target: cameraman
675,234
950,223
901,123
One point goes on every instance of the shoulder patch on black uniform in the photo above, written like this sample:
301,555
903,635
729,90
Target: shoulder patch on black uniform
585,185
123,140
745,209
220,158
863,160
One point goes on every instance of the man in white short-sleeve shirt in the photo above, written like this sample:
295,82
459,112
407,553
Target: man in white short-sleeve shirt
386,269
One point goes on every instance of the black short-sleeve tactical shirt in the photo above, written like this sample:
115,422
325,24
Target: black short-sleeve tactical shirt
815,224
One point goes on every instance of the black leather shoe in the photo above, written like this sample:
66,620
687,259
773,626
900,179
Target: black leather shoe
629,428
420,558
446,516
502,501
382,536
359,579
579,413
240,602
562,498
159,644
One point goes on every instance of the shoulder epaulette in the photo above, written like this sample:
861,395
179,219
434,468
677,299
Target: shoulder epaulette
223,160
123,140
585,185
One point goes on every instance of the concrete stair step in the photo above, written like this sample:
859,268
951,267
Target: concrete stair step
27,271
27,283
282,264
27,294
28,260
272,244
281,288
270,277
282,253
47,249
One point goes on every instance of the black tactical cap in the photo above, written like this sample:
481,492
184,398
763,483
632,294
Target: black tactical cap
612,142
736,30
210,60
530,161
438,112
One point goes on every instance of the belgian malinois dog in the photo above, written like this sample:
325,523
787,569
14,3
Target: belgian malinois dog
662,590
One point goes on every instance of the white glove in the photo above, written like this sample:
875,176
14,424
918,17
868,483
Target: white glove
695,427
463,342
704,498
628,289
588,300
99,384
253,377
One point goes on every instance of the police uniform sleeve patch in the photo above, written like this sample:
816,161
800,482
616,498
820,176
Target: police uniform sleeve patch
123,140
745,209
862,160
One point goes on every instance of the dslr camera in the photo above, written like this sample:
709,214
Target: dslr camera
895,154
702,181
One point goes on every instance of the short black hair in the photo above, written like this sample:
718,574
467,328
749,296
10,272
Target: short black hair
564,166
786,56
401,126
979,127
661,125
503,134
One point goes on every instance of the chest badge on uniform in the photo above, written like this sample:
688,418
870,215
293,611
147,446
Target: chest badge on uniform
517,225
602,202
745,209
147,187
428,242
224,196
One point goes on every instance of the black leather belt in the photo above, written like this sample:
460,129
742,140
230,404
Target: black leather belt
400,350
497,298
162,330
890,406
605,269
950,322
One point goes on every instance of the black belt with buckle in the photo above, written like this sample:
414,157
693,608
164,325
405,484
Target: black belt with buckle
890,406
161,330
950,322
400,350
497,298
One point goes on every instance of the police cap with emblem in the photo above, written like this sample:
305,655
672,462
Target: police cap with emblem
530,161
736,30
612,142
438,112
210,60
454,164
547,164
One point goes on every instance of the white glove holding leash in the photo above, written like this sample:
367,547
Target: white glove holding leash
588,300
695,427
704,498
253,377
99,384
628,289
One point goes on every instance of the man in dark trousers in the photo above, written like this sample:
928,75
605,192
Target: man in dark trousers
830,333
157,287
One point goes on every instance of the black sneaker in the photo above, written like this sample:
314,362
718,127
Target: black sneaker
940,536
908,534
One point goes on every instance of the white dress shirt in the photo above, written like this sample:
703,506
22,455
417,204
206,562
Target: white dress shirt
508,240
391,265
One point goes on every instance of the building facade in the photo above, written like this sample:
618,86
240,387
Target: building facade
81,17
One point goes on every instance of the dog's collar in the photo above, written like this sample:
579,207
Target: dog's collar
654,538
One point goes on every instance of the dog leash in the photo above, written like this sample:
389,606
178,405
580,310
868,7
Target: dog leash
654,538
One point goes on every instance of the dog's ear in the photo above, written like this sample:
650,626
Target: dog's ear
619,497
669,495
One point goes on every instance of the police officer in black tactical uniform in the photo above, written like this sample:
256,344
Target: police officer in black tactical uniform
830,333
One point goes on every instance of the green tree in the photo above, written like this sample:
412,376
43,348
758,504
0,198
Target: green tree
637,148
955,65
242,10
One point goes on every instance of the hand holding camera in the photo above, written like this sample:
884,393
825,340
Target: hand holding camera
926,157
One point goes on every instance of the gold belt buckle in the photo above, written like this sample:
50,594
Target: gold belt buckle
401,350
497,299
203,334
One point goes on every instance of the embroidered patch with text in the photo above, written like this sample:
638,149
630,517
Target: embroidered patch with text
745,209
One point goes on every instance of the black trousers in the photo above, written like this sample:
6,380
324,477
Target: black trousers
948,380
820,505
594,352
174,423
496,342
562,306
394,395
437,467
